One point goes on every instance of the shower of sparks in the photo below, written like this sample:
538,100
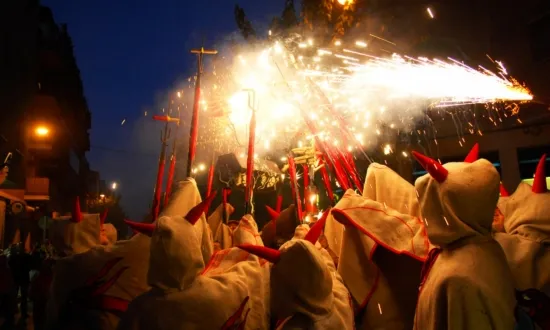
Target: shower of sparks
429,10
341,96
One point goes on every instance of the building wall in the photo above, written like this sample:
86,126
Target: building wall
41,83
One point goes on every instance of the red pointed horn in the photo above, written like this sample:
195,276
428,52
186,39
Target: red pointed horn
263,252
103,216
77,215
539,183
272,213
503,191
436,170
144,228
473,155
195,213
313,234
279,203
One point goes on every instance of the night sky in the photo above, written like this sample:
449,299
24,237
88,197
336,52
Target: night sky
130,54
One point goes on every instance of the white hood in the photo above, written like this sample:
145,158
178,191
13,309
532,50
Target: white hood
526,242
110,233
400,195
179,249
221,233
236,278
306,290
301,282
467,283
176,257
247,232
280,228
526,214
72,272
463,205
70,237
185,195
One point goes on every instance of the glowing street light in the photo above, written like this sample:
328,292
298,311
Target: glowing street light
41,131
114,185
102,196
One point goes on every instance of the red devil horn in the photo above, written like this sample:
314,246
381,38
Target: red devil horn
279,203
503,191
77,215
436,170
473,155
272,213
144,228
104,216
313,234
195,213
539,183
266,253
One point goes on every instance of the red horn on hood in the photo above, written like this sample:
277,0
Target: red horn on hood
103,216
313,234
539,183
272,213
266,253
436,170
144,228
473,155
195,213
279,203
503,191
77,215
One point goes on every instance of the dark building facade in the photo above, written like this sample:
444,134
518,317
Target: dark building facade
46,118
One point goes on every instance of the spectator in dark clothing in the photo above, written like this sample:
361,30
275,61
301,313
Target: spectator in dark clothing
20,264
8,296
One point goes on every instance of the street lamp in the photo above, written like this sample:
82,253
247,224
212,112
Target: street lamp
114,185
41,131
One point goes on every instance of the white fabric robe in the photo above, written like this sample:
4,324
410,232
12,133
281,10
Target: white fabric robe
69,238
186,294
306,290
526,241
468,285
221,233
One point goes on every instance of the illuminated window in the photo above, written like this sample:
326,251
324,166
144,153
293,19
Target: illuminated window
528,158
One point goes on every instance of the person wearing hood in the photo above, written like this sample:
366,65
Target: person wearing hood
526,243
383,249
80,232
222,234
8,294
306,290
228,292
122,266
281,226
466,282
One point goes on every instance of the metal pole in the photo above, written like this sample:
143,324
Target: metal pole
195,117
160,174
2,221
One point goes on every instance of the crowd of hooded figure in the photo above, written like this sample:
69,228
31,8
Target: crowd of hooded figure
444,253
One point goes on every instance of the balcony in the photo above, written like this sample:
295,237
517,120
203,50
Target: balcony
37,189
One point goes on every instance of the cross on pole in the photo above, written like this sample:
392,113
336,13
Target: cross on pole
195,118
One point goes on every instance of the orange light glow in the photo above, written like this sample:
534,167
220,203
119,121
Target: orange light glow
42,131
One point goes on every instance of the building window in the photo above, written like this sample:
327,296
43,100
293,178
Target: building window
539,35
528,159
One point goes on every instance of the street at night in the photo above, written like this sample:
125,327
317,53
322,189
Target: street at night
277,164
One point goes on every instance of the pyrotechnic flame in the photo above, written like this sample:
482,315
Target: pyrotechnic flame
352,98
